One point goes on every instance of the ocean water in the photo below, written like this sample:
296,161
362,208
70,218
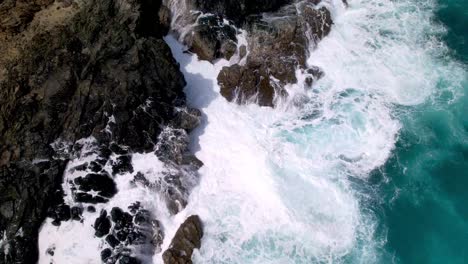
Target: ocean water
369,166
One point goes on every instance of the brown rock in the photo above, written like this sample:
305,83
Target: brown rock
187,238
278,45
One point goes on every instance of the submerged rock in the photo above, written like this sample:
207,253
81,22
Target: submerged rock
186,240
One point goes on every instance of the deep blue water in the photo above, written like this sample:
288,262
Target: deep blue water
423,188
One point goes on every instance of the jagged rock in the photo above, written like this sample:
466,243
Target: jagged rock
187,238
101,183
82,197
120,218
211,38
76,213
172,147
122,164
134,231
65,70
105,254
278,45
112,241
102,224
187,118
95,167
81,167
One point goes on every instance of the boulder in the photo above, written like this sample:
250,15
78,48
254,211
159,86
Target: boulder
102,224
186,240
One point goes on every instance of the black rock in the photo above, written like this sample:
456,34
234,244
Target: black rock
134,207
99,58
101,183
76,213
120,218
129,260
112,241
102,224
121,235
81,167
63,212
141,179
91,209
118,149
142,217
187,238
123,164
105,254
82,197
95,166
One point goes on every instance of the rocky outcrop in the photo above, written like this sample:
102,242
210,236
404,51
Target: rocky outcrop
136,228
278,46
68,71
211,38
279,35
186,240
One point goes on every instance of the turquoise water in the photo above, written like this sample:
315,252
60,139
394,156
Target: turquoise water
422,189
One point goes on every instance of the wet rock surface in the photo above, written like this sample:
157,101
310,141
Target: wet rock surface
211,38
70,71
278,46
186,240
128,234
279,34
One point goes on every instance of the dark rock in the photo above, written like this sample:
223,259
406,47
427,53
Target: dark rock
123,164
63,212
122,235
81,167
91,209
128,260
102,224
82,197
187,118
50,251
112,241
95,166
140,178
118,149
76,213
120,218
134,207
61,78
187,238
211,38
172,147
278,45
101,183
242,51
105,254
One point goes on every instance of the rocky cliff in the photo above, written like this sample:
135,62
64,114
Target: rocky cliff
72,70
